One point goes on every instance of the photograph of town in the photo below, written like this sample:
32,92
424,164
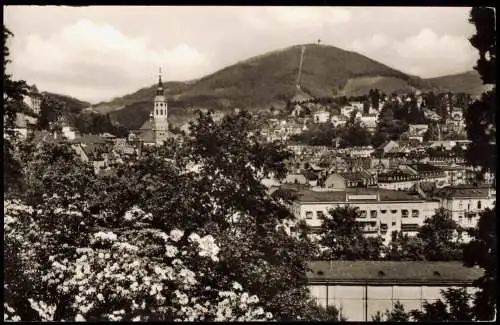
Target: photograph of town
249,163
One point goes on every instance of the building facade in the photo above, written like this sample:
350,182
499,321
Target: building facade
465,203
382,211
360,289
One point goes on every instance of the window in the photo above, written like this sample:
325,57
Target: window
415,213
394,211
409,227
309,215
479,204
404,213
156,111
362,214
320,214
373,213
161,112
383,211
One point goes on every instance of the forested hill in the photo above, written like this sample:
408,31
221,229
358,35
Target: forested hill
270,80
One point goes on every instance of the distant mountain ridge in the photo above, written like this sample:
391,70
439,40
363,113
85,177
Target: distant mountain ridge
270,80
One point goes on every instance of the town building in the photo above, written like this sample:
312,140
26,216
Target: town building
321,116
360,289
417,131
397,180
382,211
369,122
345,180
339,120
465,202
427,172
70,132
25,121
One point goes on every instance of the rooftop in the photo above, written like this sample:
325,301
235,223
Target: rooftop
408,272
340,196
466,191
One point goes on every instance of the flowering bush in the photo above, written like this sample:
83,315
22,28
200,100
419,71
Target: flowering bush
135,273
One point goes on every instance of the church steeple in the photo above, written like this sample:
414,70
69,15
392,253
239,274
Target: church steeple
160,113
159,90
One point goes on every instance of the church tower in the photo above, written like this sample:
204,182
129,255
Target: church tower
160,114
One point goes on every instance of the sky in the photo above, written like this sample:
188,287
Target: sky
97,53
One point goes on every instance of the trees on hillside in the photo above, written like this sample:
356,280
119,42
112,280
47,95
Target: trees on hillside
481,129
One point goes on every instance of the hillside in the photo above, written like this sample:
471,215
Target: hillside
172,88
270,80
468,82
72,105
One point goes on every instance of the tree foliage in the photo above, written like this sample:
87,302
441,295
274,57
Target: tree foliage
13,93
481,130
403,247
454,307
209,184
343,239
439,238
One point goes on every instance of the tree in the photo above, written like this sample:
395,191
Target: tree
438,236
432,133
397,314
481,130
404,248
455,308
481,251
211,188
388,128
416,115
343,237
13,93
355,135
374,96
51,109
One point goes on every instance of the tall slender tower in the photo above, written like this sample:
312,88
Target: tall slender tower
160,114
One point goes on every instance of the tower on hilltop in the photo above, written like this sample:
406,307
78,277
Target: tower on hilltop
160,114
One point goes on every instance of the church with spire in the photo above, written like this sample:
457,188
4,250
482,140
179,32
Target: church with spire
155,130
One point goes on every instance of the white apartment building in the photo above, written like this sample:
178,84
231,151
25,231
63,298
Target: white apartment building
464,203
382,211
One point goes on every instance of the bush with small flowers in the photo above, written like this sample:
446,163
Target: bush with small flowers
133,274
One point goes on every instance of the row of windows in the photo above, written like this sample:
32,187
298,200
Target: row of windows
373,213
161,112
460,205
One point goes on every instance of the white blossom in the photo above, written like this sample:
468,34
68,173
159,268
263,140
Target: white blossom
176,234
